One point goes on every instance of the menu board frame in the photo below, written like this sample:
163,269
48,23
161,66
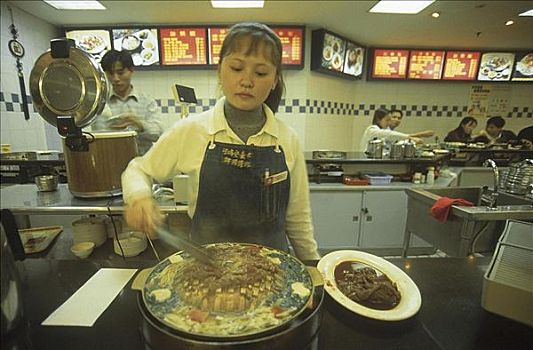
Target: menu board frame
206,66
317,49
481,51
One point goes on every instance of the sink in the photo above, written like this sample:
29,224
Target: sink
468,229
473,194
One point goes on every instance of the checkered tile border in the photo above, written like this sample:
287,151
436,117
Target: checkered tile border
12,103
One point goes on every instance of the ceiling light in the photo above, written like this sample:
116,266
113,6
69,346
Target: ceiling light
406,7
527,13
435,15
226,4
76,5
508,23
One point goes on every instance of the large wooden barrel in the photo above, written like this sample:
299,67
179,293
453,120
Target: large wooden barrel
97,173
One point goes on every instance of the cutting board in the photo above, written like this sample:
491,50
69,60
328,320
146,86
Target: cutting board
37,239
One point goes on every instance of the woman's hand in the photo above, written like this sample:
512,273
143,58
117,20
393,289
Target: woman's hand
143,215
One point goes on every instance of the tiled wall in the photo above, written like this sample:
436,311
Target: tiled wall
326,112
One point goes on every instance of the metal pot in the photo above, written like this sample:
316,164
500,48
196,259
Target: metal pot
397,150
409,149
47,183
374,148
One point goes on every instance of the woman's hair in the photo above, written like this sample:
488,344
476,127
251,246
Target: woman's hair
258,33
466,121
113,56
379,114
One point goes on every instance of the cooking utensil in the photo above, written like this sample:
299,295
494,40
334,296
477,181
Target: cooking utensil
375,148
47,183
180,243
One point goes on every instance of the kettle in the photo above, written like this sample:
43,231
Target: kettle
374,148
11,292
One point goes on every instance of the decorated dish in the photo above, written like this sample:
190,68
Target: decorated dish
496,66
327,53
252,289
141,43
130,42
336,63
402,297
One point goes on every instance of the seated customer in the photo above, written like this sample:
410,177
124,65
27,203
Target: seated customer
130,109
525,136
380,129
396,120
494,133
462,133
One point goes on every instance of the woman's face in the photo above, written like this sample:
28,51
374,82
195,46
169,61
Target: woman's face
385,121
247,80
469,127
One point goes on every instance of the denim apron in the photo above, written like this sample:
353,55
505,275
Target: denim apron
242,196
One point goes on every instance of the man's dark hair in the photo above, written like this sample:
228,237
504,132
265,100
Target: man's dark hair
113,56
498,122
379,114
397,111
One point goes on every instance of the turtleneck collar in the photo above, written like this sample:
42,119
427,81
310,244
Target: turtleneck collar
238,117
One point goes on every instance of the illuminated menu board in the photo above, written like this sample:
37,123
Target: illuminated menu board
390,64
216,37
96,42
425,64
461,65
183,46
496,66
524,67
292,45
141,43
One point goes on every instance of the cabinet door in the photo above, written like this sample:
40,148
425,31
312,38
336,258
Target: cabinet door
336,217
383,221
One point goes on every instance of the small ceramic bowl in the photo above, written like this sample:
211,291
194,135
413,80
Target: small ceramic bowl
82,250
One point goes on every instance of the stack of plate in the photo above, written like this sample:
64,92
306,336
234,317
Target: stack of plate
520,175
133,243
89,229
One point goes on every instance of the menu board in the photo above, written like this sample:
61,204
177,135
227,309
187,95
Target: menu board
425,64
183,46
292,45
390,64
496,66
524,67
141,43
461,65
353,62
93,41
216,37
333,52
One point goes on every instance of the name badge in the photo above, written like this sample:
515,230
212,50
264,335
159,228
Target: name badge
275,178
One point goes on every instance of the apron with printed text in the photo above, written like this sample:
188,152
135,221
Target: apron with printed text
242,196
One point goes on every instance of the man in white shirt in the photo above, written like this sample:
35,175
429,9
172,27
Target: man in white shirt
130,109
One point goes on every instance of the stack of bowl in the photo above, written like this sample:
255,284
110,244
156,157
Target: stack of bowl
89,229
132,242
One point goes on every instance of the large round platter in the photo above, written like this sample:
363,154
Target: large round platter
410,301
270,304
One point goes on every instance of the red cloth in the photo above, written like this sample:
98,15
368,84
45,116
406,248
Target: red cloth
441,208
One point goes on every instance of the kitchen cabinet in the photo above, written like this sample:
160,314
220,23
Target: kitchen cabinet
370,220
336,218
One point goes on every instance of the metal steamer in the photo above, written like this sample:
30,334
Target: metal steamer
69,90
299,332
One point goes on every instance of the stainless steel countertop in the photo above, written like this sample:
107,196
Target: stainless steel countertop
25,199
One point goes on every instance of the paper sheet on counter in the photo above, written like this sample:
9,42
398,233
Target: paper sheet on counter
85,306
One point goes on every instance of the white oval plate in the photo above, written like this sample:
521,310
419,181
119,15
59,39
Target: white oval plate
410,301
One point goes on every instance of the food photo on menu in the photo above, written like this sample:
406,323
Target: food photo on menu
95,42
140,43
524,67
333,52
353,64
496,66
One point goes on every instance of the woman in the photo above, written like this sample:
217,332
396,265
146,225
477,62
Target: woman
380,129
246,167
463,133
